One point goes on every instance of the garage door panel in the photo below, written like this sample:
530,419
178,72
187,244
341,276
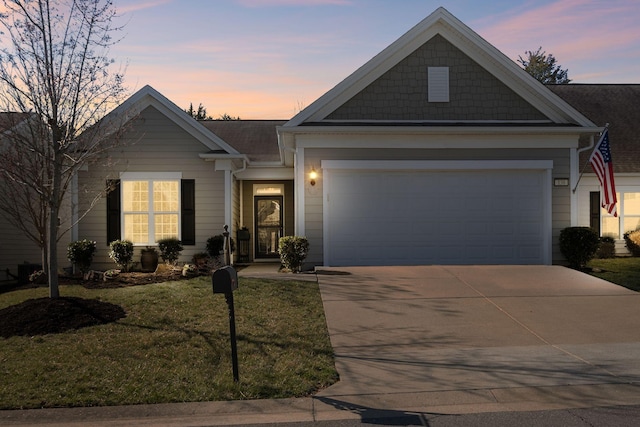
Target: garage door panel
427,217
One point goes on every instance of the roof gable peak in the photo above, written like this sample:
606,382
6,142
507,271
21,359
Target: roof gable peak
443,23
147,96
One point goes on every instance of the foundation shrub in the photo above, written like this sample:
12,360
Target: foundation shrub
579,245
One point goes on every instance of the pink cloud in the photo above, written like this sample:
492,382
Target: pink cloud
272,3
571,30
134,7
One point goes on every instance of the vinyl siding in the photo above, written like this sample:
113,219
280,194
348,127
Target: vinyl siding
158,145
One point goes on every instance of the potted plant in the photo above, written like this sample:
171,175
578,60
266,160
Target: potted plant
170,249
148,259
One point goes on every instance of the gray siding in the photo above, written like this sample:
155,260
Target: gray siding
401,93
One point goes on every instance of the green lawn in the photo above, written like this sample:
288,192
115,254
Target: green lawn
624,271
173,346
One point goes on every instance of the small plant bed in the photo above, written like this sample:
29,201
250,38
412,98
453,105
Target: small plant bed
167,342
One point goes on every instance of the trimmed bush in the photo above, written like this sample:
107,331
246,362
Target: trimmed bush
632,241
579,245
81,253
121,253
607,248
215,245
293,251
170,249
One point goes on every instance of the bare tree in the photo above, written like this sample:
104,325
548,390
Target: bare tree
55,69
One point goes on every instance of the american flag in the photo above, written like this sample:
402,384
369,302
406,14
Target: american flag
603,167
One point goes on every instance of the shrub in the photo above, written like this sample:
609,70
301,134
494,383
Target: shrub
81,253
293,251
632,241
121,253
607,248
215,245
170,249
578,245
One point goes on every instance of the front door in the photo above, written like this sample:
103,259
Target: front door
268,214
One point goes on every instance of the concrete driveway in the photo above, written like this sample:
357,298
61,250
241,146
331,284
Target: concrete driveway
462,339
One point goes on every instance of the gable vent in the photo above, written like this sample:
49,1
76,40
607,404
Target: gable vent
438,84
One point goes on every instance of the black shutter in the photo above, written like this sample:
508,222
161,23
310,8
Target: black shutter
113,211
188,211
594,211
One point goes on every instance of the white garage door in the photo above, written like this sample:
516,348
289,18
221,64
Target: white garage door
408,217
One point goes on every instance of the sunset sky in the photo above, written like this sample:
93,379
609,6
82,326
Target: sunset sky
267,59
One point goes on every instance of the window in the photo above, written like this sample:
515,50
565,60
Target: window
628,216
150,210
147,207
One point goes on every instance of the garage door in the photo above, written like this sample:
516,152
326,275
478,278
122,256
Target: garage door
444,216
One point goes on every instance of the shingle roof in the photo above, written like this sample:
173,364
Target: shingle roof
10,119
616,104
255,138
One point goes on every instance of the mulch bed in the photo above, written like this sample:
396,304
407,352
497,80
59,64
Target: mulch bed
43,316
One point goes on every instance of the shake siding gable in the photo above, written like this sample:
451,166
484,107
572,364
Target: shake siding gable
402,92
157,144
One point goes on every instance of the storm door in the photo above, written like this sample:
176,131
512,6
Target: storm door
268,225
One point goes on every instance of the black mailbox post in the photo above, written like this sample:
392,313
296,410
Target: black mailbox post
224,281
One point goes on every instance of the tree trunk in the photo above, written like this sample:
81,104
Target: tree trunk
54,213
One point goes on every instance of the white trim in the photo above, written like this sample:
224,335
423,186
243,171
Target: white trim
573,180
437,164
299,194
270,174
149,176
228,200
450,165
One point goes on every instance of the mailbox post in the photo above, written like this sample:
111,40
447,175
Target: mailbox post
224,281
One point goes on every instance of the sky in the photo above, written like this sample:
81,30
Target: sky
268,59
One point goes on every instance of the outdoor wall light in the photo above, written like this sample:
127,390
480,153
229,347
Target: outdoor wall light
561,182
312,176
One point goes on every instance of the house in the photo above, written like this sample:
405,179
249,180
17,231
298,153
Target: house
439,150
617,105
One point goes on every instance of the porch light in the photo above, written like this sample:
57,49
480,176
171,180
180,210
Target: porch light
313,175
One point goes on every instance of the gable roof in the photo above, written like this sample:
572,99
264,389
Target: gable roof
616,104
442,23
149,97
9,120
255,138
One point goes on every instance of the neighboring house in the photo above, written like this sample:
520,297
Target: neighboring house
616,104
20,255
439,150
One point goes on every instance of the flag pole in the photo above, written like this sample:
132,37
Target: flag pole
606,127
